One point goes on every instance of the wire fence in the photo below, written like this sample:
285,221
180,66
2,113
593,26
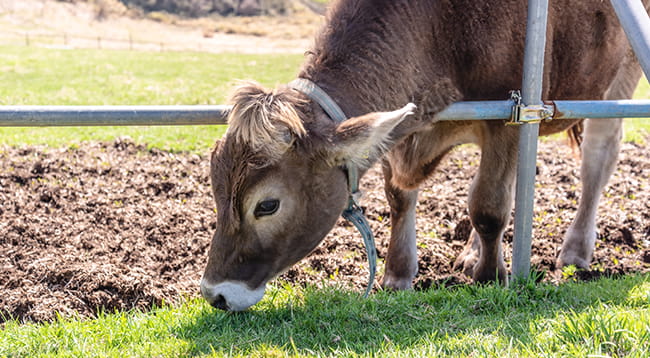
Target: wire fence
68,40
214,43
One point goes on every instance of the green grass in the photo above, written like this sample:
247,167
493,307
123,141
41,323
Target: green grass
90,77
638,129
608,317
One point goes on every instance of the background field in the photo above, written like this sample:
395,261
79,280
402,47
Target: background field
73,77
95,77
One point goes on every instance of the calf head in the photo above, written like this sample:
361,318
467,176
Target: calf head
279,185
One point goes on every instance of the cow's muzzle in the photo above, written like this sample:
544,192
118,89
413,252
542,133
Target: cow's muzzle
231,295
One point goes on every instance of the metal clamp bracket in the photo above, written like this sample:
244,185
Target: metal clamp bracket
522,113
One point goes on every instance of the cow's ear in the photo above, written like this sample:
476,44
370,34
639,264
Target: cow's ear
363,139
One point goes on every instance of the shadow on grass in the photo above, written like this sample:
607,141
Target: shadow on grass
333,321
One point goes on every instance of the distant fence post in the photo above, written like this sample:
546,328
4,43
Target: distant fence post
99,42
26,38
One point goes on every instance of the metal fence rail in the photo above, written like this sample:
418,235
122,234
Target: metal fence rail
72,116
636,24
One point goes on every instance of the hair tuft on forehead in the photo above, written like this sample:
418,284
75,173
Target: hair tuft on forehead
267,121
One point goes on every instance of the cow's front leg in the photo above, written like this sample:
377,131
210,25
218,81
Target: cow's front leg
599,156
490,204
401,260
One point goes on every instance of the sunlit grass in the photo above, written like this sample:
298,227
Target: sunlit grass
638,129
605,317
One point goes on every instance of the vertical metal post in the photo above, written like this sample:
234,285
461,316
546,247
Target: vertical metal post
636,23
531,95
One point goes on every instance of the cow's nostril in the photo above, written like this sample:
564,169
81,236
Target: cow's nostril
220,303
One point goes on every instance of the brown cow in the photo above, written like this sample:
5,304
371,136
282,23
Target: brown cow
278,175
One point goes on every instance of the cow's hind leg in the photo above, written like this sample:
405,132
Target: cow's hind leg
401,260
599,152
490,204
600,149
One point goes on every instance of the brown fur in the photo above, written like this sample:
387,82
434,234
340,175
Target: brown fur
374,56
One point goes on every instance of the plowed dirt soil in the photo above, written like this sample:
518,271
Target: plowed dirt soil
106,226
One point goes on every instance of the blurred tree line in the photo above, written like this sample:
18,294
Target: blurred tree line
198,8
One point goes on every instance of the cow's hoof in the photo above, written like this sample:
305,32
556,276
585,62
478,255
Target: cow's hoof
572,259
468,258
393,283
487,274
466,261
577,248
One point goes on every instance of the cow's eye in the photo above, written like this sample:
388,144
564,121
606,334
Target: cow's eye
266,207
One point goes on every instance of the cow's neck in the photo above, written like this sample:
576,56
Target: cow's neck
375,56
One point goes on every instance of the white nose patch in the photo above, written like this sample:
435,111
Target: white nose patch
237,295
